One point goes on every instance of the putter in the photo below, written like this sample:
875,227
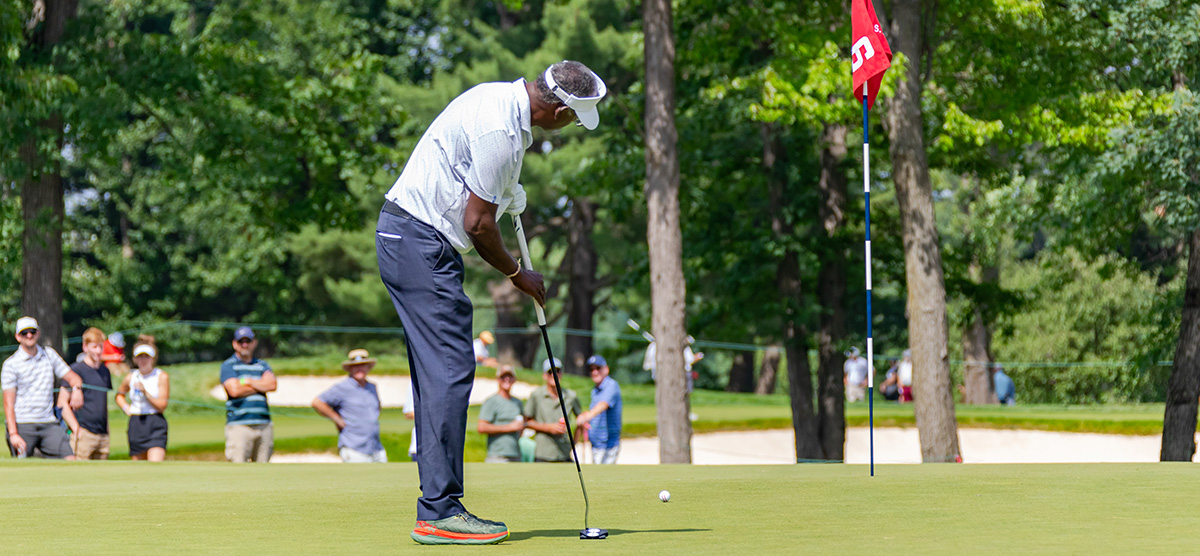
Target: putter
587,533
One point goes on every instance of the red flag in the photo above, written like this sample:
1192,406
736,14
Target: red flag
870,57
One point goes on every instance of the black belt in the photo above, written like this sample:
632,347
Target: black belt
392,208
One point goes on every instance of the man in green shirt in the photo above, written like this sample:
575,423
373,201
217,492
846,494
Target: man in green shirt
500,418
544,415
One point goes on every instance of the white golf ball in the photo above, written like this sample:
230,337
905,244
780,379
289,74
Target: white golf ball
664,496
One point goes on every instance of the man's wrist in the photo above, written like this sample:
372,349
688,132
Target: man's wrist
514,273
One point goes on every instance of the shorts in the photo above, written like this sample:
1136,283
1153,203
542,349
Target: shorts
249,443
49,439
355,456
855,393
147,431
605,455
89,445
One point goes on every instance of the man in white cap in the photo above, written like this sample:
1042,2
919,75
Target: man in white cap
855,376
461,177
27,379
543,414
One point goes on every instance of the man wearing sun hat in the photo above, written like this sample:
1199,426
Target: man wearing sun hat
27,379
461,177
543,413
353,406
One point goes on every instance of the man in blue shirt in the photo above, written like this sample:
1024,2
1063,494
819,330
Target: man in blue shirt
249,435
353,405
603,417
1006,389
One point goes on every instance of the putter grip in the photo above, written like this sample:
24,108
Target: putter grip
541,313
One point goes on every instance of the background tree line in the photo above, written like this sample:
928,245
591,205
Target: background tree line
1034,171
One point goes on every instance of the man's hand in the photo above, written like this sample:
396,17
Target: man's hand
532,284
341,423
559,428
77,398
18,444
517,425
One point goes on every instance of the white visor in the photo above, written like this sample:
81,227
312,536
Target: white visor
584,107
144,349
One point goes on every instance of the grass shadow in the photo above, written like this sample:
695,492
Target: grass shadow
574,533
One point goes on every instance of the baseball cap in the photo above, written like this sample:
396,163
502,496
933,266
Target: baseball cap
852,351
243,333
505,370
584,107
25,323
144,349
117,339
597,361
546,365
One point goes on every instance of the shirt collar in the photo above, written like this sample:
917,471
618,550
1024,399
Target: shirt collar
21,351
526,111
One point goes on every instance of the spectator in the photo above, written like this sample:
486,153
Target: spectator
90,439
855,376
890,388
603,417
500,419
690,358
353,406
409,407
27,380
143,396
904,374
480,345
113,355
249,434
1006,389
543,413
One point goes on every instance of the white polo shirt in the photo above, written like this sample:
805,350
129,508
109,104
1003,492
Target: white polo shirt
475,145
33,378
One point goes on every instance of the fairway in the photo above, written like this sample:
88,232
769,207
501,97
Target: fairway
216,508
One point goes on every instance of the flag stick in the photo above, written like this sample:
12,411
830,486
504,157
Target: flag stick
870,341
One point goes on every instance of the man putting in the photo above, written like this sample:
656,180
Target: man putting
460,178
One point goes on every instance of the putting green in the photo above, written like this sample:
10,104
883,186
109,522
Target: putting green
217,508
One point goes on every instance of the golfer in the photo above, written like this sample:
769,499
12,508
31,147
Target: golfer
462,176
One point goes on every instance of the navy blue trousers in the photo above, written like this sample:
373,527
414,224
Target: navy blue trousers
424,275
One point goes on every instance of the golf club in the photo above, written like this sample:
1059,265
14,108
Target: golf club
634,325
586,532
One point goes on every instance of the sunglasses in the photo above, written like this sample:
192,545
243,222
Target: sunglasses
28,333
245,341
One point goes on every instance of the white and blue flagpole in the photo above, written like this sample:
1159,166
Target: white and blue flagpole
867,244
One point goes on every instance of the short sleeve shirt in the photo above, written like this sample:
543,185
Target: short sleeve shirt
499,410
359,408
93,416
606,427
246,410
544,408
856,371
476,145
33,378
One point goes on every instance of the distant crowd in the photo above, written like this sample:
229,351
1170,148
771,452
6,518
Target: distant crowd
897,383
72,423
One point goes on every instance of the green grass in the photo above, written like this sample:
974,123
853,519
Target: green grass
216,508
197,420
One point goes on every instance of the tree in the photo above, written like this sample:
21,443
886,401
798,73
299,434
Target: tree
928,330
663,234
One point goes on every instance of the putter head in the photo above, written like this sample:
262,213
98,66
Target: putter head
593,533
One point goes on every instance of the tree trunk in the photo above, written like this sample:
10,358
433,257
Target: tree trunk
513,349
1179,420
581,290
42,199
741,373
927,329
42,259
978,387
831,290
664,236
767,372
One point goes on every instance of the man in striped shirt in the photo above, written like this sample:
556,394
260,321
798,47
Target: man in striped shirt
249,435
27,379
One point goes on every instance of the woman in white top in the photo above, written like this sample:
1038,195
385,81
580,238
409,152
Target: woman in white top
143,396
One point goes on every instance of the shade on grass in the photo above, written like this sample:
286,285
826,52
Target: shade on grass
216,508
